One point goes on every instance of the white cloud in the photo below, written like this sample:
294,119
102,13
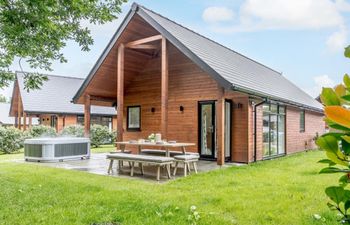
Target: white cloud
296,14
342,5
257,15
217,14
338,40
320,82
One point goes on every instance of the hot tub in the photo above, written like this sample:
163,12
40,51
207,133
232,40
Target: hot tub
56,149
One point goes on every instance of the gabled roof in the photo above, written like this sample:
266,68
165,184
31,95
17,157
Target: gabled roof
5,119
55,97
230,69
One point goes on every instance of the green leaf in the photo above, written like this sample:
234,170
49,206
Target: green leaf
327,161
329,97
347,52
347,205
336,194
334,134
330,170
346,138
340,90
337,157
345,146
338,127
344,180
328,143
346,97
346,80
331,206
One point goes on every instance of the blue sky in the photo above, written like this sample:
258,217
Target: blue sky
303,39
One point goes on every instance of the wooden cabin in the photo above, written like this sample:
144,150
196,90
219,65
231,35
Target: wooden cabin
165,78
51,105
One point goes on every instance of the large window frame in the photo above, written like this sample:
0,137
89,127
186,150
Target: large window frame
278,113
128,111
302,121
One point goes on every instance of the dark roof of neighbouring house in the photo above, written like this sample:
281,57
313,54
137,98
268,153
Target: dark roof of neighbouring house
55,96
231,69
5,119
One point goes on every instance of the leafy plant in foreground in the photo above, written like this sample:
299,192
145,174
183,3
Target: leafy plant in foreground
336,144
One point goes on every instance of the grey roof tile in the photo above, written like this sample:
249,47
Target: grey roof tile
237,69
55,97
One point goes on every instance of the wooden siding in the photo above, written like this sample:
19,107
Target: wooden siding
188,85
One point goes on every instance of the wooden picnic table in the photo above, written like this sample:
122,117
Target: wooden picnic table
165,145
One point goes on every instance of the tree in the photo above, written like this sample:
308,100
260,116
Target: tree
336,144
36,31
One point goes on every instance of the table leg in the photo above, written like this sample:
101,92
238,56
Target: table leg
168,172
158,172
110,166
195,167
132,169
175,169
139,149
167,154
183,150
141,167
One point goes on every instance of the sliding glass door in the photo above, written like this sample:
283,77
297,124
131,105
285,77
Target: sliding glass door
273,130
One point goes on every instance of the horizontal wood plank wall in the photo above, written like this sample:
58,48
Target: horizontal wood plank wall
114,123
188,85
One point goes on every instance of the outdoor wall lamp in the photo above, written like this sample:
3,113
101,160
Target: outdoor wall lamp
182,108
153,109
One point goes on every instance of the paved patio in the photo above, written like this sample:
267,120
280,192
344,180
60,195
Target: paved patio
98,164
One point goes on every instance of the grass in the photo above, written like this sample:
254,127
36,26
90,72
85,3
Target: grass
103,149
288,190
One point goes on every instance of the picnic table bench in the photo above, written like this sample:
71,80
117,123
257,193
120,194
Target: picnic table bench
159,161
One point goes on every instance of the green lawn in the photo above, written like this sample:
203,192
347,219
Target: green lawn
282,191
103,148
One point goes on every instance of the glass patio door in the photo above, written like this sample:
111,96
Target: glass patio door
207,129
228,129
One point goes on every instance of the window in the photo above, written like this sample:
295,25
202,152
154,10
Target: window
133,118
302,121
273,130
100,120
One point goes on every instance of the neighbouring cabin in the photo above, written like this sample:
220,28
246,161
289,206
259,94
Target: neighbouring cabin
51,105
165,78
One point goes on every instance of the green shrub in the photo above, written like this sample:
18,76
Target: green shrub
11,139
100,135
40,131
73,130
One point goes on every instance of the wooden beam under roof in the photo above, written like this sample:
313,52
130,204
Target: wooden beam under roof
151,47
144,41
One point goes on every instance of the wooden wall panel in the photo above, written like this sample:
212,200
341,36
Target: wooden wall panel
188,85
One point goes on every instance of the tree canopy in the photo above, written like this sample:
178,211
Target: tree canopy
36,31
